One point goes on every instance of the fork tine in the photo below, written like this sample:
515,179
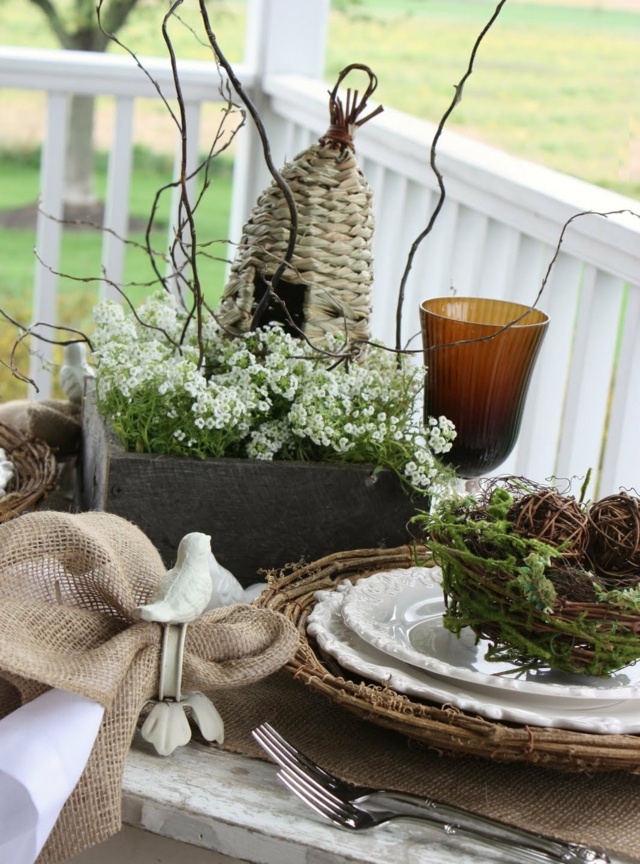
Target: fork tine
282,757
304,776
319,794
309,800
308,779
284,753
287,749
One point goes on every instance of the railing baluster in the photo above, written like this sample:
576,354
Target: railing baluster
387,262
590,376
305,140
439,250
499,262
533,257
116,214
376,175
419,201
289,141
542,422
48,235
468,251
621,458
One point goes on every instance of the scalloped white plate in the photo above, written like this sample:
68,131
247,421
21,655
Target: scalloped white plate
399,612
327,625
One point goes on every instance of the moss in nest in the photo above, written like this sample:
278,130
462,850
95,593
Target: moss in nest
534,584
626,598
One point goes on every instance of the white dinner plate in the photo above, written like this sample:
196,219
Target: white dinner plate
327,625
399,612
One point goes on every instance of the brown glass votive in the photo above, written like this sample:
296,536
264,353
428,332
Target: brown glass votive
481,386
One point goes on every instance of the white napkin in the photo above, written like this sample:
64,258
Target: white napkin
44,747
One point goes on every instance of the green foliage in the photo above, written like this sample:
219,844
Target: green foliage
534,584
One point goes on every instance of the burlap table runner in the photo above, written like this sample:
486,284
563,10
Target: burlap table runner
601,808
69,586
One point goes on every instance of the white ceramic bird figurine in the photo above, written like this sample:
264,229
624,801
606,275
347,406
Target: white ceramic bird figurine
73,371
184,592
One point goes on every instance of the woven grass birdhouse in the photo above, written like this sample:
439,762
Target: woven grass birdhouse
326,286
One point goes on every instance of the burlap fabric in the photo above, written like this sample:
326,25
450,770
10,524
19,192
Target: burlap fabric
56,421
68,589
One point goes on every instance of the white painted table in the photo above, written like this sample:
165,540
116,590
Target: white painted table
234,806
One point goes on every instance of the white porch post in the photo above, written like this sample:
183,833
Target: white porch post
48,239
283,37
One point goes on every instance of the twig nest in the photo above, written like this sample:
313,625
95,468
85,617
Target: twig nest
614,539
326,287
506,577
553,518
34,471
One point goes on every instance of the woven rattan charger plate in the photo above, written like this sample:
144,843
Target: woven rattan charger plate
444,728
35,471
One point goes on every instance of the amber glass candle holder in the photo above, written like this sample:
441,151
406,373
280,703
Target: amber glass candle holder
480,386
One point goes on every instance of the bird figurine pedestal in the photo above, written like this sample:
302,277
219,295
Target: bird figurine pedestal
260,515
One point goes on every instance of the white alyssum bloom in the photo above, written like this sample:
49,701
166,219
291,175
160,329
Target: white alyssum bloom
261,396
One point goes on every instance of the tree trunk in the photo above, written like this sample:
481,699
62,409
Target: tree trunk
79,185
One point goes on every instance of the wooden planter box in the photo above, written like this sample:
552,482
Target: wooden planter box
259,514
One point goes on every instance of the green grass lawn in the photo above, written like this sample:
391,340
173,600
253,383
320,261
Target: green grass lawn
81,250
555,84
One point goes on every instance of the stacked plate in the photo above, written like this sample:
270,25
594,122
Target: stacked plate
388,628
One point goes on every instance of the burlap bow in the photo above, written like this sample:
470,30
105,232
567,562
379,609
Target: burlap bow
68,589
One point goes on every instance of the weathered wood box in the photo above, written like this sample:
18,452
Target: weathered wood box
259,514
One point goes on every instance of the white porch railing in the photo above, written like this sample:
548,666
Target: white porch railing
495,236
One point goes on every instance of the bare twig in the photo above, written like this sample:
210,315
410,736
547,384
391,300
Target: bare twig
152,80
86,223
30,330
123,294
436,212
604,215
20,376
184,196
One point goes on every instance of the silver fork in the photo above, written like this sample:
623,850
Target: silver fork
354,818
328,791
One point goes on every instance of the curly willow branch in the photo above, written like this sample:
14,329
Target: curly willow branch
416,243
